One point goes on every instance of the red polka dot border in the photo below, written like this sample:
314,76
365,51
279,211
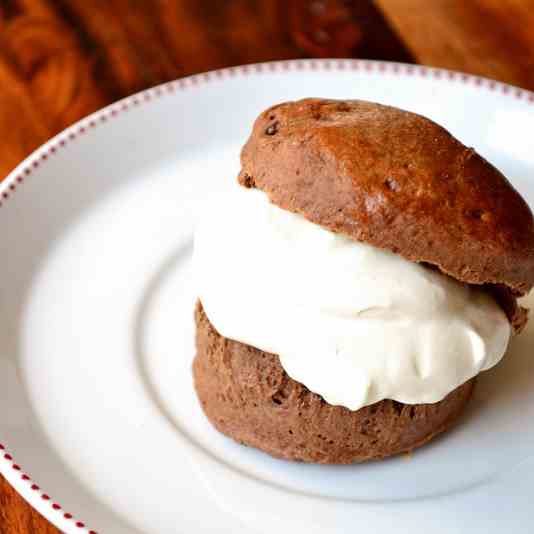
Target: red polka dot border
17,178
55,507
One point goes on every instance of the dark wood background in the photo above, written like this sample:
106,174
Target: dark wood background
62,59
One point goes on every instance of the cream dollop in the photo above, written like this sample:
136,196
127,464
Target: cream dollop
351,322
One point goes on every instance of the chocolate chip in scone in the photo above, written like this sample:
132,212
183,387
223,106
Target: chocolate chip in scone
272,128
247,181
481,215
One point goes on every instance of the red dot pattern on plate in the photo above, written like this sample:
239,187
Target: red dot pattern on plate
43,496
184,83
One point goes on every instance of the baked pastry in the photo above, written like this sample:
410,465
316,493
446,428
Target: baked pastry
367,269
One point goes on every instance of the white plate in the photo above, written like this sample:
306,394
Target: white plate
96,336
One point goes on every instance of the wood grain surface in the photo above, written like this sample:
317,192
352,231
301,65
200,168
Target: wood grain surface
62,59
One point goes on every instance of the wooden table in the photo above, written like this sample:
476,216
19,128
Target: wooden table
62,59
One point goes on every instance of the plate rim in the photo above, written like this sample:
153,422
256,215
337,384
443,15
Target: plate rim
21,481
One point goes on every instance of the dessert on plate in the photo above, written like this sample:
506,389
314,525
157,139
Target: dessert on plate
355,282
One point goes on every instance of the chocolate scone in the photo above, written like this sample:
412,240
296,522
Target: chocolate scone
247,395
438,246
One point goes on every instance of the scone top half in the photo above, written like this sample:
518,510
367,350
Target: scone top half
397,181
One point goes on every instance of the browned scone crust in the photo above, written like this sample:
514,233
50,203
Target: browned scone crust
395,180
247,395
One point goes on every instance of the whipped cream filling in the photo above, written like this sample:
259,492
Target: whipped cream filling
351,322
